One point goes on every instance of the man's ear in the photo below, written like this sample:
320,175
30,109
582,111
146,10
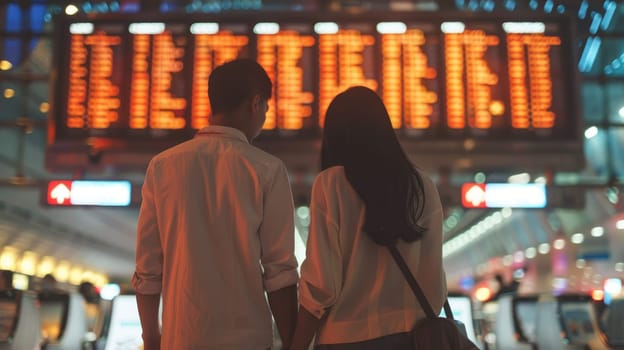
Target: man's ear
256,103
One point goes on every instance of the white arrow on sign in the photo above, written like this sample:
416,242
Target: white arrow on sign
60,193
475,195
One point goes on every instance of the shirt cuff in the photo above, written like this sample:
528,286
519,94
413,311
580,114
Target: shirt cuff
283,279
311,305
146,286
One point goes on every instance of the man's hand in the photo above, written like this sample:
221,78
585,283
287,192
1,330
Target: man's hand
151,342
148,313
283,304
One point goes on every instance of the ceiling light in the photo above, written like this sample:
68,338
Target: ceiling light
591,132
5,65
326,28
62,271
44,107
46,266
543,248
577,238
8,258
597,231
452,27
522,178
266,28
71,9
9,93
530,253
391,28
559,243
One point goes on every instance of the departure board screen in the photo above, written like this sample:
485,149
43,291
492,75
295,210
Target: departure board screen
410,75
92,96
441,77
285,52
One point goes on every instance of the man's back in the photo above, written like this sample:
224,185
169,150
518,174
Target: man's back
214,209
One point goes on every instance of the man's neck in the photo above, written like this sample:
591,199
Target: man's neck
230,123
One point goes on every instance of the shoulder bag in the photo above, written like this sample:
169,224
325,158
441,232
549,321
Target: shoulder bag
433,332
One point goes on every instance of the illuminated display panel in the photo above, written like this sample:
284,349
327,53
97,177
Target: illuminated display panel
474,93
123,81
157,91
346,58
93,94
285,56
409,77
533,62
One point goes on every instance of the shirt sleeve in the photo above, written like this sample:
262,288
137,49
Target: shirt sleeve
321,272
431,273
147,278
277,234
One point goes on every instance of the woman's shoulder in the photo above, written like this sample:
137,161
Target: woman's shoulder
331,175
331,180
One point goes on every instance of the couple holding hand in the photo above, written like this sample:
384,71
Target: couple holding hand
215,232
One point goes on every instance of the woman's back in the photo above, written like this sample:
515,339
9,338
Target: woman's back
356,280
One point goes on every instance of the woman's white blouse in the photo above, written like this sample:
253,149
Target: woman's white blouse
353,284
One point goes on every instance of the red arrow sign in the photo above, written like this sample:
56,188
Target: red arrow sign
473,195
59,193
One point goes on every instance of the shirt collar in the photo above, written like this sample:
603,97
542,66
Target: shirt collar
225,131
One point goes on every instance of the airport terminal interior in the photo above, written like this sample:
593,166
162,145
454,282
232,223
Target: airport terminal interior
515,109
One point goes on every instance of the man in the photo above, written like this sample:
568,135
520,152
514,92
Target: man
216,229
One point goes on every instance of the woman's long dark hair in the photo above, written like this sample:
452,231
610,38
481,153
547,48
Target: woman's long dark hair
358,135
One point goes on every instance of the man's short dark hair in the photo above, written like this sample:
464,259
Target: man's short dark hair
234,82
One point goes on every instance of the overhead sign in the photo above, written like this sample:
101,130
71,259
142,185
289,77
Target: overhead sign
471,87
89,193
469,76
503,195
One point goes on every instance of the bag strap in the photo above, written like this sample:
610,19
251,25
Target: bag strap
422,300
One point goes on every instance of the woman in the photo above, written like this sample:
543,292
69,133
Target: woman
367,196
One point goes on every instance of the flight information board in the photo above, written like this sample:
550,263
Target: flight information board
128,79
